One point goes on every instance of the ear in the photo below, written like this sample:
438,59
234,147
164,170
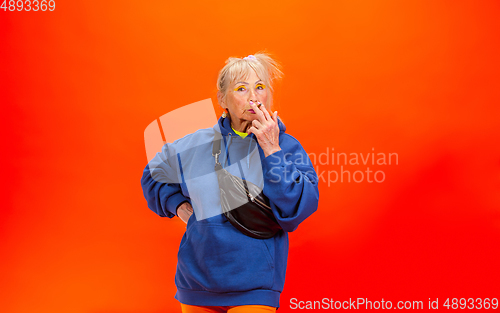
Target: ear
221,101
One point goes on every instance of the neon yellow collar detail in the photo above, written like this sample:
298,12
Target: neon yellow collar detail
242,135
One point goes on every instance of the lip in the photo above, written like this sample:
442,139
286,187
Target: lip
251,111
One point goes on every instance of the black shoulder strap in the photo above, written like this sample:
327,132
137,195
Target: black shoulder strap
216,147
216,151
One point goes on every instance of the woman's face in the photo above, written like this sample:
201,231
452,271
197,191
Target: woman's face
241,92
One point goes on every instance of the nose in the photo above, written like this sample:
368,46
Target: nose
252,96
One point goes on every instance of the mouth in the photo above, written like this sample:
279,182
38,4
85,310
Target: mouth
251,111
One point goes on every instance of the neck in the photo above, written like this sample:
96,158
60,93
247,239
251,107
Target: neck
241,125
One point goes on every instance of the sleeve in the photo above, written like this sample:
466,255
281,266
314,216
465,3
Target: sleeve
291,184
161,183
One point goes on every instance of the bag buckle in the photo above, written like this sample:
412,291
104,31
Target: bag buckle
216,155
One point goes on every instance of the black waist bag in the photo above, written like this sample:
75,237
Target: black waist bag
243,203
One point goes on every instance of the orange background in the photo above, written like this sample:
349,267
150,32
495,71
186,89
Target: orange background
79,86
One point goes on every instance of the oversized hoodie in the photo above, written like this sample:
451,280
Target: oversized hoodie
217,264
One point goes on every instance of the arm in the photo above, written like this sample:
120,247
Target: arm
161,184
291,184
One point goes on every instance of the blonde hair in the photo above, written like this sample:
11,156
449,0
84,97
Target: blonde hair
235,69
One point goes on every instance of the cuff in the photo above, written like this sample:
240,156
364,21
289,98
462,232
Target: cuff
174,201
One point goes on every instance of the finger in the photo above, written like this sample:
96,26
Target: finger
266,112
253,130
258,111
184,215
186,207
257,124
275,117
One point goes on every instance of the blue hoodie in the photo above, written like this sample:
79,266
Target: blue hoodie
218,265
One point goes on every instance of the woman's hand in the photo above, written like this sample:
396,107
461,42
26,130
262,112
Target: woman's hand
266,129
184,211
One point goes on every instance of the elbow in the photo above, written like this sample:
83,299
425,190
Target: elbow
148,185
290,224
289,227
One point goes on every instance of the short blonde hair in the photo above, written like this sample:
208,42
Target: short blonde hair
235,69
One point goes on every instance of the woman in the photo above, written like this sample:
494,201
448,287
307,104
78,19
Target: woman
219,268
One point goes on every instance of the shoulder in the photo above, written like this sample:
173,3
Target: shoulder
200,136
288,142
188,143
293,150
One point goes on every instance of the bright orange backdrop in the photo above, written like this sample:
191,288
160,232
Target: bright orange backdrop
80,84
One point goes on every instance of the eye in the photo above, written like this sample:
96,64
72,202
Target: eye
241,88
260,86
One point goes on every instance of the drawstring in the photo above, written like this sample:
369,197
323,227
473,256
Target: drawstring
248,153
227,147
228,160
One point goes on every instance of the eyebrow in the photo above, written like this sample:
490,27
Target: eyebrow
245,83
